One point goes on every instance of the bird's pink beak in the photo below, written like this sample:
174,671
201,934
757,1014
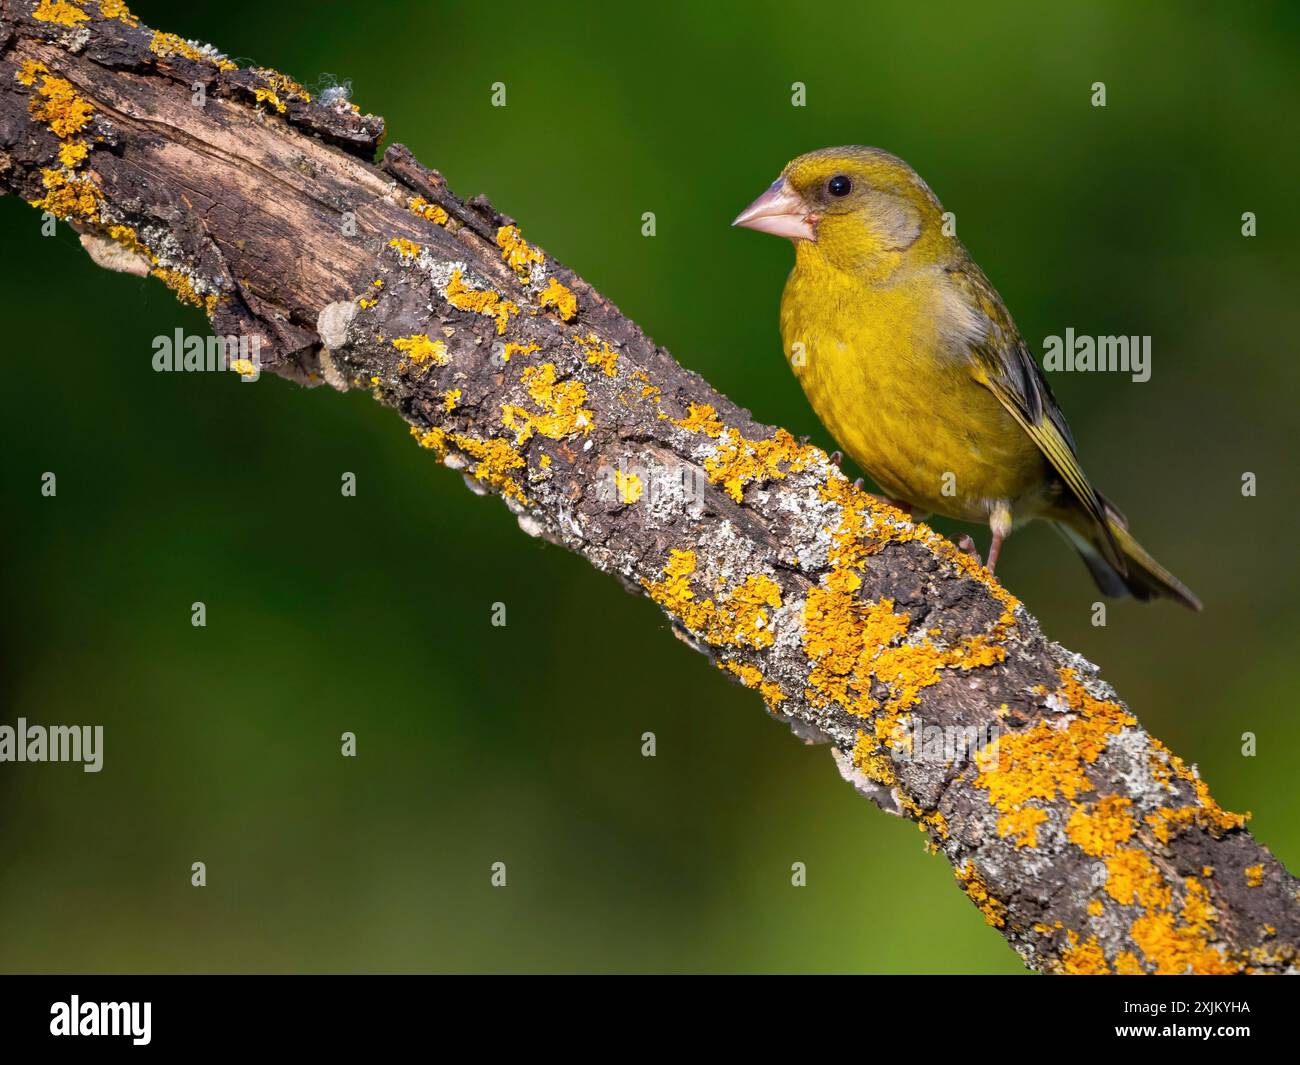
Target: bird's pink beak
781,211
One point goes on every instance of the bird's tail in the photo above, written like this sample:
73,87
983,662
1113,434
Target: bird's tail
1145,578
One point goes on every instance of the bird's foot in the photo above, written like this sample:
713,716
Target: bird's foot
857,483
968,545
837,459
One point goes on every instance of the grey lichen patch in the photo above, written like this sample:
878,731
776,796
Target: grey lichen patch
1127,760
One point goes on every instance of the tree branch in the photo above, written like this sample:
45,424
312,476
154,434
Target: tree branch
1087,843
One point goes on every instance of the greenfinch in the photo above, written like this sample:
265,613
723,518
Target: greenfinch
912,362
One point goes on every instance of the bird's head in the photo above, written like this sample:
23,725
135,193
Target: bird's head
853,203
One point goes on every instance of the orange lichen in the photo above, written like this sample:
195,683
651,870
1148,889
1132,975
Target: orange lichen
423,353
480,301
1175,946
1254,875
118,10
752,677
496,459
129,239
1083,959
937,822
977,891
282,83
29,70
838,631
871,758
433,438
910,667
59,12
739,618
628,487
58,104
277,85
649,391
1096,908
268,96
518,254
738,461
184,288
450,399
1022,824
1205,813
561,407
1051,758
1099,829
169,44
1132,878
430,212
407,249
1173,940
518,349
73,153
69,198
673,592
890,525
598,353
565,304
743,618
853,645
700,418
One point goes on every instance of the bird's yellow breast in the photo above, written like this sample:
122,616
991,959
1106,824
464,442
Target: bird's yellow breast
884,367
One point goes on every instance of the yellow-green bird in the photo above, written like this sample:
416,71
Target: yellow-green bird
910,359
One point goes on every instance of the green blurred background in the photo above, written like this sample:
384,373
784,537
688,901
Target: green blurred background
521,743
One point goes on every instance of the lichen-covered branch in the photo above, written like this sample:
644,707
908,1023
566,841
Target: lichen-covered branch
1087,843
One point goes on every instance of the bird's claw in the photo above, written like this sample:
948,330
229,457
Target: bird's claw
968,545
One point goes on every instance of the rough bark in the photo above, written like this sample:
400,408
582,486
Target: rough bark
1087,843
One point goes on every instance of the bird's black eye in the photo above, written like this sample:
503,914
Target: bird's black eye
839,185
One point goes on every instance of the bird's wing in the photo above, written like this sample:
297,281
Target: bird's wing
1002,363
